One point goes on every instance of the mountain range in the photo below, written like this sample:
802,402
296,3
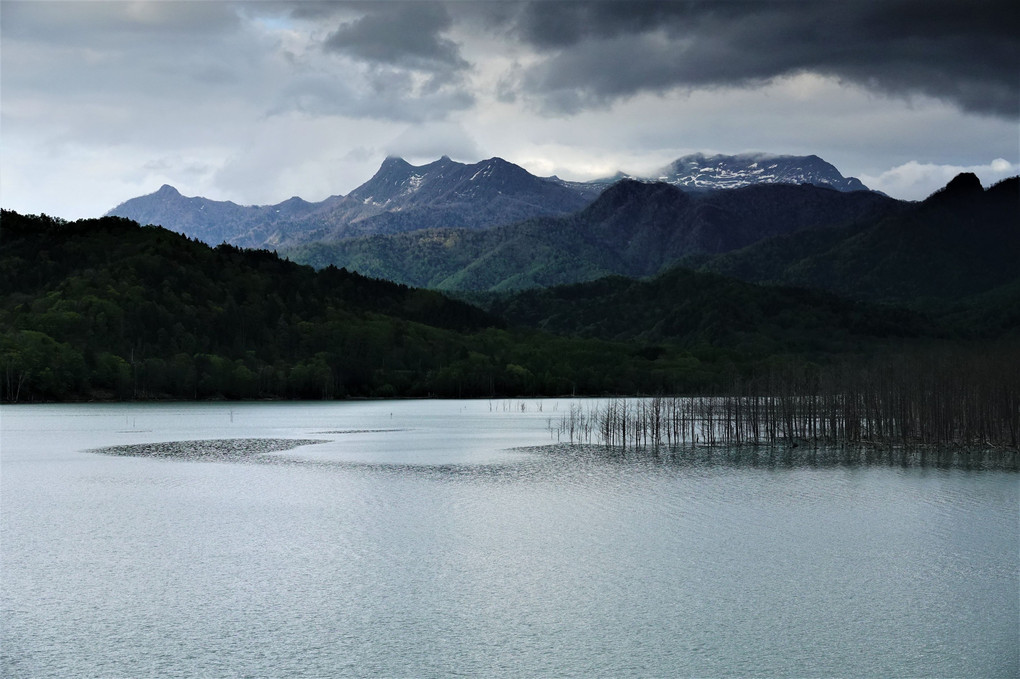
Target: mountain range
399,197
704,288
492,226
402,197
106,308
632,229
951,258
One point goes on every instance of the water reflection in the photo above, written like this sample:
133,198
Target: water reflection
460,545
801,455
258,450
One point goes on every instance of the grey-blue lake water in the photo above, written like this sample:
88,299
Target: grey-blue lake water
438,538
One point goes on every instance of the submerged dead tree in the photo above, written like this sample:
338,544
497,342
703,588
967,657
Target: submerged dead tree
942,399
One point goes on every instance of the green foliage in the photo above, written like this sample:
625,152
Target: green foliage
633,229
691,309
33,361
105,308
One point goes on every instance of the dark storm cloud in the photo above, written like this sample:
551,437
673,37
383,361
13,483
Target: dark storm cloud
411,71
596,52
402,35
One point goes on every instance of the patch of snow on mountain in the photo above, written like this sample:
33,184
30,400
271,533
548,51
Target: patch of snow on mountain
484,172
414,183
728,172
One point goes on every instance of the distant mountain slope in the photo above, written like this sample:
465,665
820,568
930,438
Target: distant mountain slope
961,241
400,197
698,171
691,308
447,194
632,229
398,185
215,222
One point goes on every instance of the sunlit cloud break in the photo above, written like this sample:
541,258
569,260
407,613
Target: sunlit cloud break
915,181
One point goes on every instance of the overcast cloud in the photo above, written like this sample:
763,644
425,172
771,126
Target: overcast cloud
258,101
964,53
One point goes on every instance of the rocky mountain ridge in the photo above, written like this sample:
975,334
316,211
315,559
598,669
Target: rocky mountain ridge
403,197
698,171
399,197
632,229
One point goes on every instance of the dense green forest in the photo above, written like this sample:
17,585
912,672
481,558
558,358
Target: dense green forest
108,309
688,308
105,308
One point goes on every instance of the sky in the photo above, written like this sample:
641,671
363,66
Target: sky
256,102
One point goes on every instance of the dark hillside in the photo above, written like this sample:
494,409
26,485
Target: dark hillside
633,229
961,241
104,305
689,309
104,308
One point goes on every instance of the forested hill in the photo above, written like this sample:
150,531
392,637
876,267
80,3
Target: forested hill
633,229
105,308
962,241
953,257
106,305
689,308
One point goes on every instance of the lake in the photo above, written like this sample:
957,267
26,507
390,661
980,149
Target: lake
458,538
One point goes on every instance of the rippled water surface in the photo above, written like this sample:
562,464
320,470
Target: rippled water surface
425,538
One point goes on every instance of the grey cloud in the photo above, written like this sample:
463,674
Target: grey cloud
311,9
595,52
70,22
404,35
385,94
126,51
432,140
554,25
406,68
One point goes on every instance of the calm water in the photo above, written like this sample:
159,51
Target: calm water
419,540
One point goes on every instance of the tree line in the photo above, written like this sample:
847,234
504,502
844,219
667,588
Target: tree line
107,309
